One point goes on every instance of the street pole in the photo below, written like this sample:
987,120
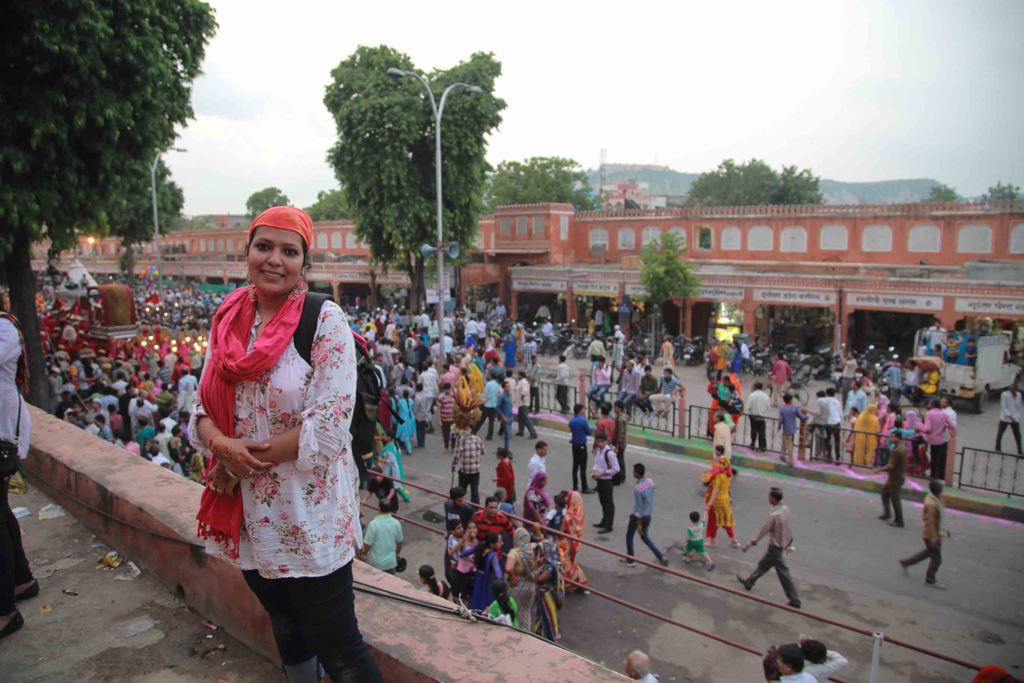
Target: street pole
156,232
438,111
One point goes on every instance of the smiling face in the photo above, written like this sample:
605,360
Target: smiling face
274,258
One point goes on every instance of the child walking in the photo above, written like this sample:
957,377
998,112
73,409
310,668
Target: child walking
694,550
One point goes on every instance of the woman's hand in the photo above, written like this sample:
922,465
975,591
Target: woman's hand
236,455
220,481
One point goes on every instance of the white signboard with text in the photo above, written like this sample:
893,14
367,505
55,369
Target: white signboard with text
982,306
915,302
596,288
720,293
539,285
798,297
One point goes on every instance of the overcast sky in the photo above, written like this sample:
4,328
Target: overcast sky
855,91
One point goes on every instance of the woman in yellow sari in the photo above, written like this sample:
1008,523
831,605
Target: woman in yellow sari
865,437
717,503
572,524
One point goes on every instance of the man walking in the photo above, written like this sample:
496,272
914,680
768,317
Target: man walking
1009,416
758,406
788,415
781,372
538,461
892,490
640,520
780,538
562,384
579,430
504,411
522,403
488,411
469,451
606,465
932,530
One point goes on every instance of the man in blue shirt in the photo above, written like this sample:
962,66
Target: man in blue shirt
894,373
856,399
488,411
640,520
788,415
504,411
510,352
579,430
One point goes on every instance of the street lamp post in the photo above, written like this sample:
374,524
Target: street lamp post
156,224
438,110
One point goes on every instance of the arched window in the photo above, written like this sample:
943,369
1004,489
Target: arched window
597,238
627,238
209,245
833,237
793,240
321,240
350,240
705,238
220,246
522,225
231,245
974,238
650,234
924,237
732,239
538,227
876,238
1017,239
335,240
760,238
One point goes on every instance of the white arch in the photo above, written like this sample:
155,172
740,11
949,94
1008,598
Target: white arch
876,238
761,238
924,237
974,238
793,240
627,238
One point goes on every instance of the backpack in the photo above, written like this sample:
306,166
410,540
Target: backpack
368,390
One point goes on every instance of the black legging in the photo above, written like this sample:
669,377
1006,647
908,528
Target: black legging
316,617
14,569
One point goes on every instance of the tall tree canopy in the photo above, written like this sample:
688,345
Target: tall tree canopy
260,201
942,193
91,90
384,156
330,206
664,273
1000,192
754,182
540,179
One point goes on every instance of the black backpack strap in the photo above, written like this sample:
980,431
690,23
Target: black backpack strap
306,329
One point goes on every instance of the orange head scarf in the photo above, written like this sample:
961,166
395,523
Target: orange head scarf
286,218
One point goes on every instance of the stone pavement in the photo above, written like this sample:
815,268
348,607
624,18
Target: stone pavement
90,624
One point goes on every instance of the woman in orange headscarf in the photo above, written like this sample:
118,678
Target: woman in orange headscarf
572,524
280,500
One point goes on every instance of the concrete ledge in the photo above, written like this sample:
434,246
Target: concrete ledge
701,450
148,513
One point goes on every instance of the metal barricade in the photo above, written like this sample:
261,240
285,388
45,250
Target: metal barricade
994,471
558,398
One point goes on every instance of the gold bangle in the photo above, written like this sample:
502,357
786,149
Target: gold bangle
230,473
209,444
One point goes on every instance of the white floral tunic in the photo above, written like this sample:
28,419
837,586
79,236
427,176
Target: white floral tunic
300,518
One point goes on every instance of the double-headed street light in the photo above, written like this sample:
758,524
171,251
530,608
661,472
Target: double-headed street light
156,223
439,248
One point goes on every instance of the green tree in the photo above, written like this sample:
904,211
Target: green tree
91,90
664,273
1000,192
942,193
130,210
330,205
538,180
384,156
258,202
754,182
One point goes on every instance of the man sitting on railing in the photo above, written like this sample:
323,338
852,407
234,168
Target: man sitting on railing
649,387
600,381
629,384
662,402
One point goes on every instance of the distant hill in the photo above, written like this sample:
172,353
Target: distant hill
665,181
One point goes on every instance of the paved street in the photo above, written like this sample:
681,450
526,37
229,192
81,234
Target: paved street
845,567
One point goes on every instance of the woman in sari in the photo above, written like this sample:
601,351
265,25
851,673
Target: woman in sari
865,437
519,573
488,570
402,408
548,571
390,462
536,502
568,548
717,503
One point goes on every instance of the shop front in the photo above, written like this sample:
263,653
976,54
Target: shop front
591,296
803,317
715,312
534,299
886,319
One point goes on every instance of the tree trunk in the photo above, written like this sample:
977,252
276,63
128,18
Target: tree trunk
417,290
372,304
129,260
18,268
